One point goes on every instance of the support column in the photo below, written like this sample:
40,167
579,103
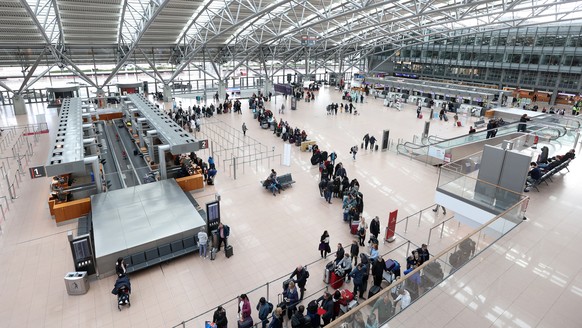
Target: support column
268,87
162,154
167,93
555,91
222,89
101,101
19,107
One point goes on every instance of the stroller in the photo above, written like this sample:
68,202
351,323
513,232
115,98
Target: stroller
122,289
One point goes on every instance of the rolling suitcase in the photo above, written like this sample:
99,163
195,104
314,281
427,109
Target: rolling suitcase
376,147
354,227
445,118
229,251
245,323
213,254
374,290
335,281
327,272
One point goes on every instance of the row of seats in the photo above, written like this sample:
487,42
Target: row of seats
284,180
548,175
161,253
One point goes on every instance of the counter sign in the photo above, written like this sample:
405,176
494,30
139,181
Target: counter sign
37,172
203,144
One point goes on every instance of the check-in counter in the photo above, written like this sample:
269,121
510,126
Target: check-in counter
192,182
71,210
305,145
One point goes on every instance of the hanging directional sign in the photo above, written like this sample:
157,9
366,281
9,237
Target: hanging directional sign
37,172
203,144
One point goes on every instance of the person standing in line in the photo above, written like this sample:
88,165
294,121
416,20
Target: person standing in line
404,298
362,98
244,129
366,141
358,276
354,151
355,251
219,318
362,227
437,208
339,254
423,254
328,191
324,248
264,308
244,307
203,243
277,319
375,227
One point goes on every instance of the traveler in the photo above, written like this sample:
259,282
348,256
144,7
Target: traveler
324,248
384,308
521,127
219,318
404,298
344,267
354,151
291,299
372,142
339,254
244,307
362,227
327,305
366,141
355,251
203,243
244,129
302,274
437,208
264,309
358,275
120,267
375,227
374,252
378,268
298,319
223,233
277,319
423,254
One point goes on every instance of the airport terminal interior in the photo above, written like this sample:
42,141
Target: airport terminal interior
131,129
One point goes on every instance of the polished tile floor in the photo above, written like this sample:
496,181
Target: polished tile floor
531,278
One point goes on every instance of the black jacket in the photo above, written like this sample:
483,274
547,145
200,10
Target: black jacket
378,268
220,319
375,227
339,255
301,277
354,250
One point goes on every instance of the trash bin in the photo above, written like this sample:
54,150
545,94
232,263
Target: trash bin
215,239
77,283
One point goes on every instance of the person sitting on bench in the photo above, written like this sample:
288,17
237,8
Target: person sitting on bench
534,174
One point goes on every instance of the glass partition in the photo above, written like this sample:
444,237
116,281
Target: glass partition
379,309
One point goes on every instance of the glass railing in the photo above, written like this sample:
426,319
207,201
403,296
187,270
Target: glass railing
477,192
392,300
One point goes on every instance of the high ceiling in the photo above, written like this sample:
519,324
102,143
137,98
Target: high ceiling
118,32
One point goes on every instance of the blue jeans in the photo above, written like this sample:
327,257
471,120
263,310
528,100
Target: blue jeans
203,249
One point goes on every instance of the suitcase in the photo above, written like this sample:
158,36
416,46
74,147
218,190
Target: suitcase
420,116
246,323
376,147
328,269
335,281
458,123
445,118
354,227
229,251
388,277
362,146
374,290
213,254
298,143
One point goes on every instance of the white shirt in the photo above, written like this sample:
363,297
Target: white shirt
202,238
405,299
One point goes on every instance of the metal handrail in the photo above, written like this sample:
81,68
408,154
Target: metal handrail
442,226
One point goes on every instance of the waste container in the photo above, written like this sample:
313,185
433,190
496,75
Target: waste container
77,283
215,239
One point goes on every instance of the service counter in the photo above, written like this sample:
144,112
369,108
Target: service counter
191,182
74,209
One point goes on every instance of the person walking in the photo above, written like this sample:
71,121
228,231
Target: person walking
418,111
354,151
366,141
437,208
324,248
244,129
372,142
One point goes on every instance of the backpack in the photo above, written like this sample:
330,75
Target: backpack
226,231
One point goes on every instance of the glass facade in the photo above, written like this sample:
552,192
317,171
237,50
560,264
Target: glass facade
545,58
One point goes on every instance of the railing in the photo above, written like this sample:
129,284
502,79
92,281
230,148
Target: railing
265,290
431,273
442,226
